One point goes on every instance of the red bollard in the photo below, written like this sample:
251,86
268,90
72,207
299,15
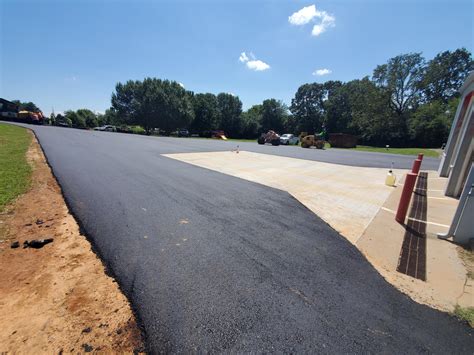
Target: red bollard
416,166
405,198
420,156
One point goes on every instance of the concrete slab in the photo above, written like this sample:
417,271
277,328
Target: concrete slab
346,197
447,280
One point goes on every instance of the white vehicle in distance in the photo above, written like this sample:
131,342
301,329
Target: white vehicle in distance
107,128
288,139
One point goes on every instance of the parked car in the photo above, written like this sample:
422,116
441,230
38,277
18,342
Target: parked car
124,129
159,132
62,124
107,128
287,139
183,133
180,133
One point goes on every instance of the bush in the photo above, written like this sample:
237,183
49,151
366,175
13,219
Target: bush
137,130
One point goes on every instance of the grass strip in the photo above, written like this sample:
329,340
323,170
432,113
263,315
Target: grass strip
403,151
466,314
15,172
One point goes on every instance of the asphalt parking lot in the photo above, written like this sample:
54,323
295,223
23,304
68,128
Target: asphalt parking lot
214,263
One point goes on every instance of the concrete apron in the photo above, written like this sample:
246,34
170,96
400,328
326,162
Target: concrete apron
346,197
447,283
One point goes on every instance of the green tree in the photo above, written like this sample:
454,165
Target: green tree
370,113
308,107
274,114
88,117
230,109
62,119
52,119
100,119
110,117
445,74
291,125
76,120
206,113
337,108
153,103
251,122
430,124
26,106
125,100
401,77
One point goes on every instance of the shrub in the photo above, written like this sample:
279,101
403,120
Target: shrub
137,130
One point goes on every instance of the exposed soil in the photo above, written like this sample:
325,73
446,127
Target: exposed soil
56,299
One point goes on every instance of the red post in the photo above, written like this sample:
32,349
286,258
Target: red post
420,156
405,197
416,166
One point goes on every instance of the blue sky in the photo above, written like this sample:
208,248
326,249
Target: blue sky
70,54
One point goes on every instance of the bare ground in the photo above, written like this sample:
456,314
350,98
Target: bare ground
57,299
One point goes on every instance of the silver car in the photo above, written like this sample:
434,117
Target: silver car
288,139
107,128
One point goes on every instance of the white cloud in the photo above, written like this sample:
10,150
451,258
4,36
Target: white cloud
321,72
181,84
243,57
303,16
253,63
327,21
257,65
310,13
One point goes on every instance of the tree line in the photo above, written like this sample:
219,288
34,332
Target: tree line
26,106
408,101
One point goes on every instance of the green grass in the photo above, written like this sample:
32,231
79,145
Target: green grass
466,314
15,171
404,151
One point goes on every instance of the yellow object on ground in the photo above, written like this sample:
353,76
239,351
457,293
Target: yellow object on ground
391,179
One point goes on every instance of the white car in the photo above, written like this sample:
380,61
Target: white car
288,139
107,128
110,128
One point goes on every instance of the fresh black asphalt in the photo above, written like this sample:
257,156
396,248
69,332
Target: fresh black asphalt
213,263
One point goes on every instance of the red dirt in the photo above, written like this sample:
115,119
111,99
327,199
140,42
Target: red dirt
57,298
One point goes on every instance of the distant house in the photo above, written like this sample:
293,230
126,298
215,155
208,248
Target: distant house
8,108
